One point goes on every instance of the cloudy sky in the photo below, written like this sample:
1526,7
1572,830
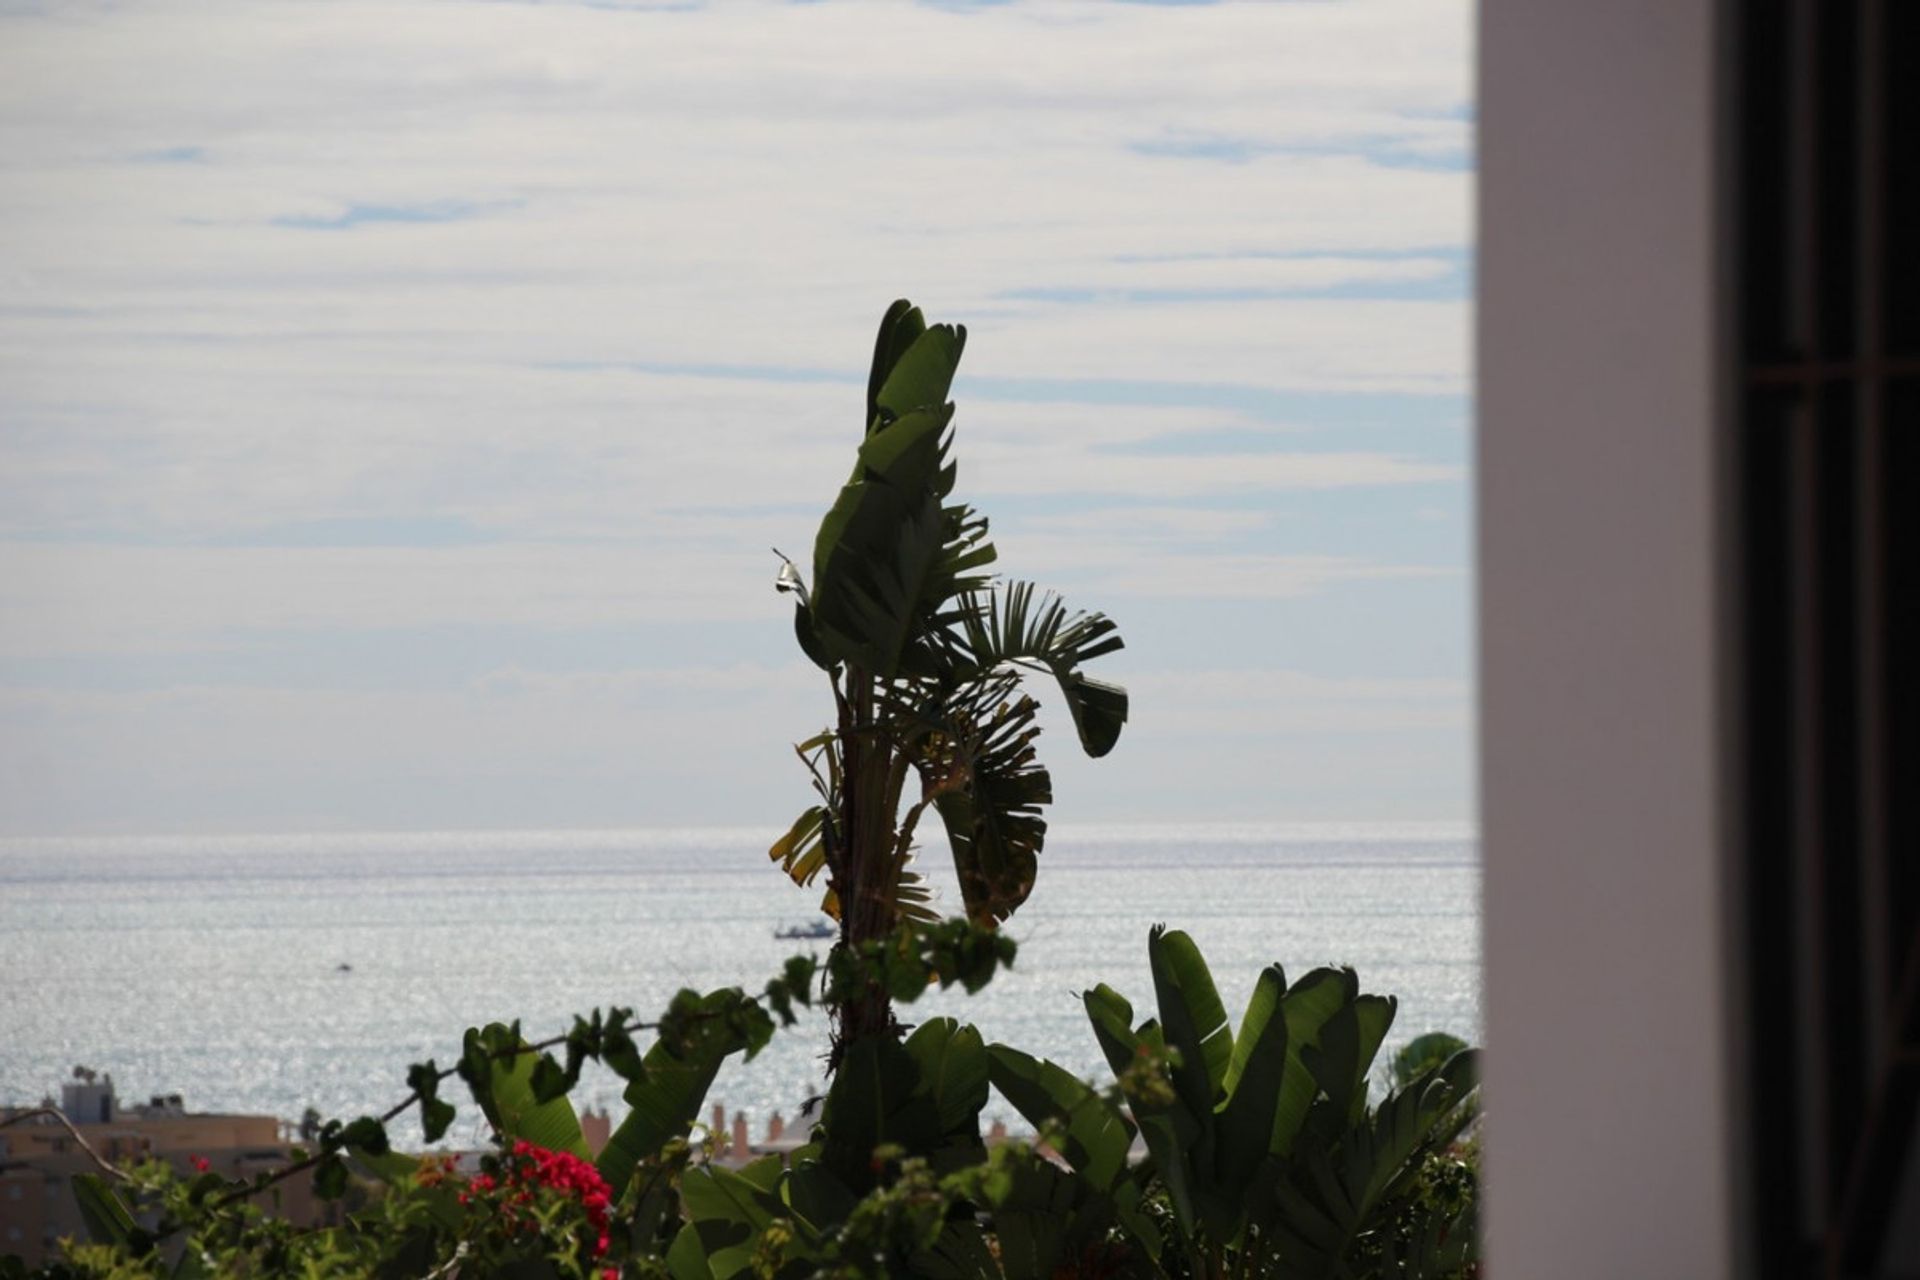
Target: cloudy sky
398,401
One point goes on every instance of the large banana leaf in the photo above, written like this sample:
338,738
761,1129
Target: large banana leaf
1334,1195
507,1096
1254,1081
1095,1139
1112,1019
900,328
952,1062
912,364
923,373
665,1098
1307,1007
728,1212
1170,1129
1048,1222
1095,1136
1194,1019
881,544
1196,1028
923,1097
950,590
1343,1056
888,552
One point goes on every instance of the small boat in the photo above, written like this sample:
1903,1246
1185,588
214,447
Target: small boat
810,930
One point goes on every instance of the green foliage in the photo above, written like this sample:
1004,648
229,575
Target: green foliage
1271,1158
523,1089
501,1069
1265,1156
665,1093
108,1219
1422,1054
916,957
435,1115
503,1223
898,1117
1048,1216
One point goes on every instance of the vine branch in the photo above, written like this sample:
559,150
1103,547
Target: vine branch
321,1157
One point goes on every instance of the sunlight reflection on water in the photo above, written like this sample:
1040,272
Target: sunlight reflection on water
209,967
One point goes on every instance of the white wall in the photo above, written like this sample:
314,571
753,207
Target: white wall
1609,1130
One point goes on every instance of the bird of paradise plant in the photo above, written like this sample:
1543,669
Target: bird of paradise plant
926,653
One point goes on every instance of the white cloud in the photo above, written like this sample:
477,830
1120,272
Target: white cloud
1184,523
1041,469
646,684
252,758
181,444
79,599
1266,701
1099,571
392,297
1240,273
740,184
82,599
528,748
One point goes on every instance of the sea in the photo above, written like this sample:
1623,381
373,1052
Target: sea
270,974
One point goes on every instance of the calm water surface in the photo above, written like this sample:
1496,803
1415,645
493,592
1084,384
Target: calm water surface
209,967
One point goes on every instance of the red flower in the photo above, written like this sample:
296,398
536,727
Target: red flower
529,1167
200,1163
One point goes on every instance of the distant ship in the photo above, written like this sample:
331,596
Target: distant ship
811,929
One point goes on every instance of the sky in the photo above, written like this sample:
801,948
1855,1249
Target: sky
399,401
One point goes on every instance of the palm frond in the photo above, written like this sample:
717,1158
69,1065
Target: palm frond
1017,624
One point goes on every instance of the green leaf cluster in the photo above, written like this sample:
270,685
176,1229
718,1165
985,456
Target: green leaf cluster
866,1195
1272,1158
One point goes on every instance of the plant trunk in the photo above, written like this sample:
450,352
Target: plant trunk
866,909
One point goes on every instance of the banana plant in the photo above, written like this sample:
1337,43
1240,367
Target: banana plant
891,1103
897,1181
926,654
1272,1158
1047,1218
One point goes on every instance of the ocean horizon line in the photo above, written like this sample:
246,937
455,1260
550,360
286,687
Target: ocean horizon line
718,835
